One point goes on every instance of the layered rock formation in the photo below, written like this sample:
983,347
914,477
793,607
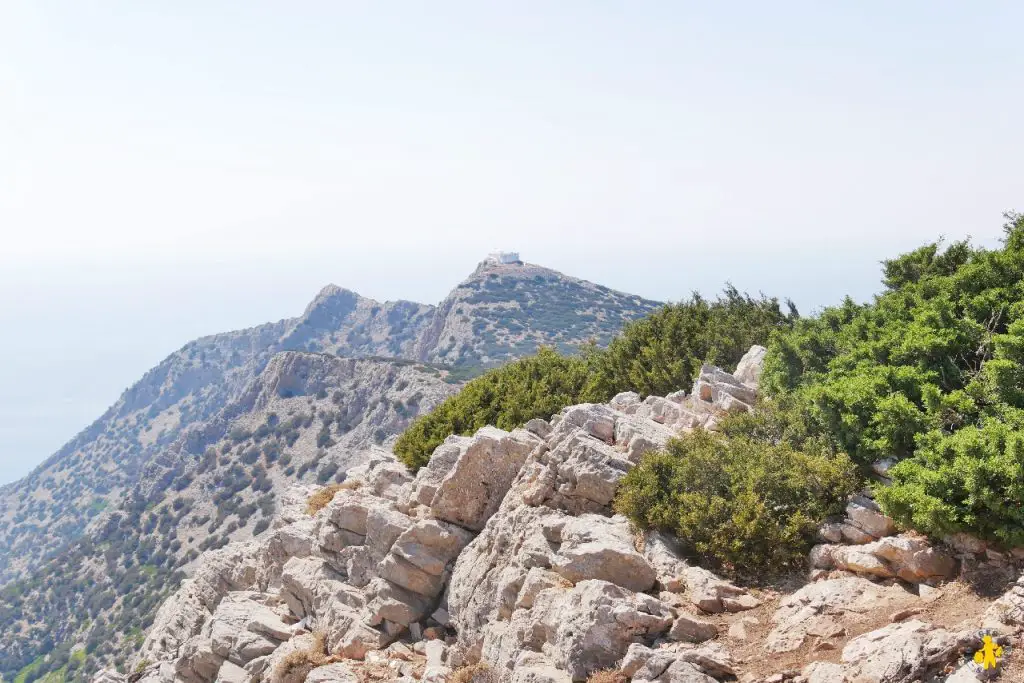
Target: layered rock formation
503,559
505,542
196,453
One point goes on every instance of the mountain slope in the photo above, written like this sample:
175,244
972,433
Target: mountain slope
505,311
500,312
306,418
195,454
95,469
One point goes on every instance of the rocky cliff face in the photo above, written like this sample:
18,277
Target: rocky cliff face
196,454
502,560
498,313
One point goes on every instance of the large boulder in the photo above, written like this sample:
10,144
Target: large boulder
713,594
864,513
909,557
244,627
596,547
663,554
581,630
824,609
748,370
678,663
900,652
914,559
184,614
491,571
481,474
419,557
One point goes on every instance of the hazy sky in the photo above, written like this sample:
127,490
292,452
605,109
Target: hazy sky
169,170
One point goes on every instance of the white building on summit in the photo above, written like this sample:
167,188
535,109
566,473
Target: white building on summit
504,257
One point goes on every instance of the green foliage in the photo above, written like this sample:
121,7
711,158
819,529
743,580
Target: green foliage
658,354
969,480
931,372
663,352
537,386
752,505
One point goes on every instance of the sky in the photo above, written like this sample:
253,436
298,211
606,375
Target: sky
169,170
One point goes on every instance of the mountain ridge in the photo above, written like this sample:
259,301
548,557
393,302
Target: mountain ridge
196,429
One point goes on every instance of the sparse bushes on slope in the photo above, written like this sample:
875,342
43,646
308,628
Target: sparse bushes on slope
750,504
657,354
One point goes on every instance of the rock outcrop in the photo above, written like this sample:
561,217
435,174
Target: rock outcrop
504,553
504,547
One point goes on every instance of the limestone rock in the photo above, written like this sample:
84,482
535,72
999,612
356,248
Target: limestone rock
711,658
275,671
625,401
864,514
244,628
678,671
854,534
482,473
748,370
596,547
183,615
232,673
860,560
490,572
332,673
824,672
538,579
692,630
533,667
712,594
583,629
899,652
431,544
824,608
914,559
831,532
663,554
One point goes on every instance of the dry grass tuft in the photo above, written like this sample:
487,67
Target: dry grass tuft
474,673
297,665
608,676
319,500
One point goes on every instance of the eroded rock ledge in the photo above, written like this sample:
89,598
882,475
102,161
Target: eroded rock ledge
504,550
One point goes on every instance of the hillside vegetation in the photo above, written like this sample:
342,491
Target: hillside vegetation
928,374
655,355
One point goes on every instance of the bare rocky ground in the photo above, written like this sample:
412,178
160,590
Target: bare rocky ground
501,560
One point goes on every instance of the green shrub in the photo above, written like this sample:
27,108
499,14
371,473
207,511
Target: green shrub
658,354
968,481
663,352
931,372
507,397
749,505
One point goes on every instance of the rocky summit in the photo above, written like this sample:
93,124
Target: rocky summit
199,452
